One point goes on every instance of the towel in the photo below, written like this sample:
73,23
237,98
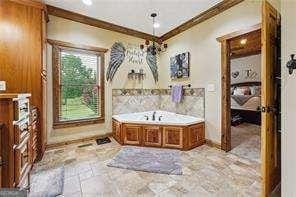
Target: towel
177,93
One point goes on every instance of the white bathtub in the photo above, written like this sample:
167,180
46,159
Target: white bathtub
167,118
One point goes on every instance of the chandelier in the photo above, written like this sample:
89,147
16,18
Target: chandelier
155,47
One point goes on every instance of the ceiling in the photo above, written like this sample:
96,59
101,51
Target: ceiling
135,14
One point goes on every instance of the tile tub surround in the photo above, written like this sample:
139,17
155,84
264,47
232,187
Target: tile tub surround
139,100
207,171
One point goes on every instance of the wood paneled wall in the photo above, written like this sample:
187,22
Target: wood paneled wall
21,52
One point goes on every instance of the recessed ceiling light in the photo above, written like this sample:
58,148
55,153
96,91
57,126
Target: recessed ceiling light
87,2
243,41
156,25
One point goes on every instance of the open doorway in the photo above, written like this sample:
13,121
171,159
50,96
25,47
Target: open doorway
245,95
270,154
241,65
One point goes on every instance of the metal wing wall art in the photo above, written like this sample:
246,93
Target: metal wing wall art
152,63
117,56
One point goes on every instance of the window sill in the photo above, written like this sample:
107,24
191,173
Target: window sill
77,123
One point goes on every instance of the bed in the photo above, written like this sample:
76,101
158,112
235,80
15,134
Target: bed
246,102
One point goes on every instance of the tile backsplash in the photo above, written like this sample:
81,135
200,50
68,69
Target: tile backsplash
139,100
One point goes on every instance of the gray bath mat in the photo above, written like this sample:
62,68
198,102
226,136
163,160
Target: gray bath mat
48,183
164,161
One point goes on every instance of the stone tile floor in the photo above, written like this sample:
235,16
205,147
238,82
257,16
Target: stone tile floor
246,141
207,171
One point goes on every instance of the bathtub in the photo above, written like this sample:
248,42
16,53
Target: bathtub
166,118
168,130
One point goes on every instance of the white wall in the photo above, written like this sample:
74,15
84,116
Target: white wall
205,52
252,64
74,32
288,8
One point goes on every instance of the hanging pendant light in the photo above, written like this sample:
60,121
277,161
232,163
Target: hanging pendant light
155,47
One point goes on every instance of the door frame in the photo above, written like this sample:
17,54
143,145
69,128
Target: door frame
225,84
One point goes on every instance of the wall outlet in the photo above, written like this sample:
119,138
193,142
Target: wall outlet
2,85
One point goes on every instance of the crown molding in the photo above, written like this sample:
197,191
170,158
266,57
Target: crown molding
98,23
211,12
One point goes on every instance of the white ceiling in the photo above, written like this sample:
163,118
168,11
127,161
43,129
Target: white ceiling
135,14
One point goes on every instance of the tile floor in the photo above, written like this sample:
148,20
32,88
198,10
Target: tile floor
246,141
207,171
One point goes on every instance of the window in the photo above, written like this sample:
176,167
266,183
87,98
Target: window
78,84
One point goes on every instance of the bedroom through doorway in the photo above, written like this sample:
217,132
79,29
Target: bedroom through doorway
245,95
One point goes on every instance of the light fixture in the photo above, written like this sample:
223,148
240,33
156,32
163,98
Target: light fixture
87,2
155,47
243,41
156,25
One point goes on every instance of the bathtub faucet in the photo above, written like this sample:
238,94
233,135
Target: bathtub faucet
159,118
153,116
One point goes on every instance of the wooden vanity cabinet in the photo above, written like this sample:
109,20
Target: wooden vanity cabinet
166,136
23,55
15,143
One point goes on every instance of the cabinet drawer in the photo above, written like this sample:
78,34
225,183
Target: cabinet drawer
21,159
21,109
21,130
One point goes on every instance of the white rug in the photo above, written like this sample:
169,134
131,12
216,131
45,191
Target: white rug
48,183
155,160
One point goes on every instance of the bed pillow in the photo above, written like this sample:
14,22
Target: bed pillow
243,90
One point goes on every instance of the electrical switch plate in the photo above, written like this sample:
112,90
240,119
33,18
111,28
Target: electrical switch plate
211,88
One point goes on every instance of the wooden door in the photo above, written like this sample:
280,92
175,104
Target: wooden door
152,136
270,144
132,134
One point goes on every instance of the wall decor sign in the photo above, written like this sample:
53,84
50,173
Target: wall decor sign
134,55
250,74
235,74
179,65
246,74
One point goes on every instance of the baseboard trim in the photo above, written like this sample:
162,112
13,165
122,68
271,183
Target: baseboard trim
76,141
213,144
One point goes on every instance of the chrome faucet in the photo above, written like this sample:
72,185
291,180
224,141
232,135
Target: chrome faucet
159,118
153,116
147,118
